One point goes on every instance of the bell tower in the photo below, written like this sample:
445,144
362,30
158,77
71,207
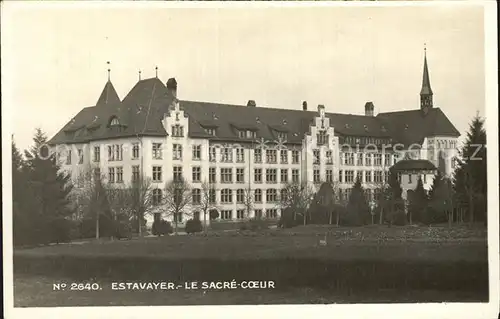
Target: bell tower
426,91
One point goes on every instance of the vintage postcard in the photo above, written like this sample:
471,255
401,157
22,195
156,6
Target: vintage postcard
276,159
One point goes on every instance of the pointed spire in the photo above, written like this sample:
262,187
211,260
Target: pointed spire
139,75
108,95
426,91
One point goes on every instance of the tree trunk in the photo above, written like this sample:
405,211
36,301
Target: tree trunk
139,222
205,221
338,218
330,219
97,227
381,219
471,209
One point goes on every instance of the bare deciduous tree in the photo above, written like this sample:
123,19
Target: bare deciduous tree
297,197
140,198
207,201
178,199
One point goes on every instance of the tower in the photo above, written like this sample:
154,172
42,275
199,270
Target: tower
426,91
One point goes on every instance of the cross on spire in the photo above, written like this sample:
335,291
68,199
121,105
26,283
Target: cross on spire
109,71
156,70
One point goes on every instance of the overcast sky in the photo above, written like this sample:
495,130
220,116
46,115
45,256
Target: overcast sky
341,57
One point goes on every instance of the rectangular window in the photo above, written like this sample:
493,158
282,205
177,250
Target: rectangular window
410,178
368,176
118,152
80,156
386,177
157,151
240,214
387,160
316,176
177,173
258,213
226,155
258,196
377,159
271,156
295,175
240,196
257,156
226,175
377,177
111,174
111,153
226,214
196,174
210,131
135,151
271,175
359,161
272,213
196,193
271,195
119,174
295,157
359,174
212,175
424,178
177,152
329,176
284,176
240,155
226,196
240,175
341,177
135,173
157,198
212,154
316,157
349,159
257,175
97,154
329,157
177,131
196,152
322,138
211,196
368,159
284,156
157,174
68,158
349,176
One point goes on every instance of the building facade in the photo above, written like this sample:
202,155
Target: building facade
246,153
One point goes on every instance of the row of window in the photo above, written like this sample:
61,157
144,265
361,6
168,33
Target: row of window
243,196
366,159
226,155
349,176
443,143
240,214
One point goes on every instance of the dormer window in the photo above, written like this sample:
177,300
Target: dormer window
241,134
251,134
210,131
282,135
114,121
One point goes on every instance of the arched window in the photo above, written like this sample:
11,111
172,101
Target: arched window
114,121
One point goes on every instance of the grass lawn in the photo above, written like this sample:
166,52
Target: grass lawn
350,260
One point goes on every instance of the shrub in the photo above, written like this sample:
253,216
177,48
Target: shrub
193,226
396,217
214,214
287,219
61,230
254,224
161,227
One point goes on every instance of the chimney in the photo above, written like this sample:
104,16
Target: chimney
369,109
304,105
251,103
172,86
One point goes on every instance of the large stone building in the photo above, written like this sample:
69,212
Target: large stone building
248,147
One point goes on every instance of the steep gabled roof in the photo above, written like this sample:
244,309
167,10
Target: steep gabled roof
413,165
143,108
108,95
411,127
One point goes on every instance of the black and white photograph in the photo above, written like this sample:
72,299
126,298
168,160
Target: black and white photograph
337,159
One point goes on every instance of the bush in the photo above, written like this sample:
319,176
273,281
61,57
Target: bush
397,218
161,227
214,214
287,219
193,226
254,224
60,230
